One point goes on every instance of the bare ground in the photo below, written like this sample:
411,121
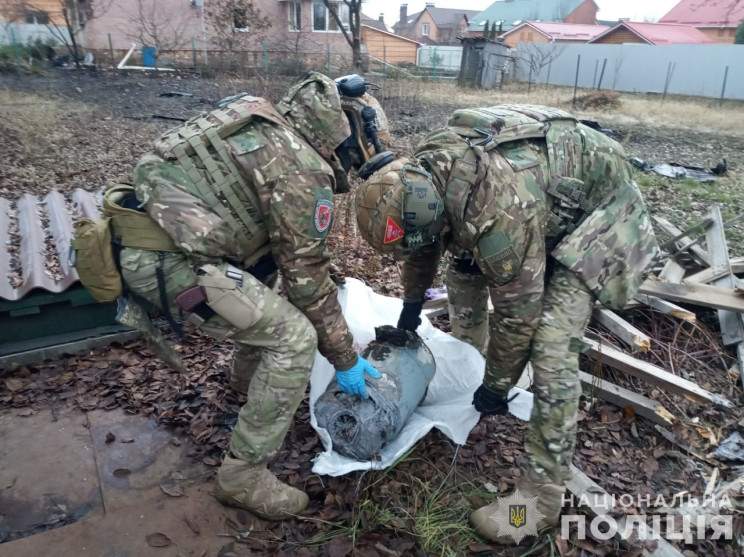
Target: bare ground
69,130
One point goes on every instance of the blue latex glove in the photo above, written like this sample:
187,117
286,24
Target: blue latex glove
352,380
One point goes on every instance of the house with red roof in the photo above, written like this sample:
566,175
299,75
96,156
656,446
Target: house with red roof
547,32
634,32
718,19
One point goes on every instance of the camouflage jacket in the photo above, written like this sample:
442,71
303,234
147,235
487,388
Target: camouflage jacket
563,189
293,187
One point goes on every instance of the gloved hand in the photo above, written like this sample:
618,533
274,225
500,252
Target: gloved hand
337,276
488,402
409,318
352,380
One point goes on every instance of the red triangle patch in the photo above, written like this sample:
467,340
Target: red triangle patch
393,232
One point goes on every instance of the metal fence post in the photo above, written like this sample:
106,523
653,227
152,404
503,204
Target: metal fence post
384,63
434,64
601,75
596,67
723,89
576,81
328,59
18,54
266,60
668,81
111,49
193,51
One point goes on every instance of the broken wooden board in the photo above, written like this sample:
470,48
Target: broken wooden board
672,272
622,398
695,294
732,329
698,253
630,335
653,374
667,308
600,504
719,271
732,325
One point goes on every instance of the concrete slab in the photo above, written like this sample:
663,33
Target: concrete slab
134,458
48,475
124,533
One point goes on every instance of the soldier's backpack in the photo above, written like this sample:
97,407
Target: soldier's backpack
92,255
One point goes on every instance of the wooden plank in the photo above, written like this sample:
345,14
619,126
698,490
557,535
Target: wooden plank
667,308
621,397
600,504
653,374
732,329
630,335
709,275
672,272
695,294
698,253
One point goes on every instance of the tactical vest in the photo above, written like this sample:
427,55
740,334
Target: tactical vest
486,130
198,147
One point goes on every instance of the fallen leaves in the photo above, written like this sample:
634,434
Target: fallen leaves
172,490
158,539
110,437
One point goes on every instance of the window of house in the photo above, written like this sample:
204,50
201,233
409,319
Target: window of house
324,21
240,20
295,15
37,16
425,29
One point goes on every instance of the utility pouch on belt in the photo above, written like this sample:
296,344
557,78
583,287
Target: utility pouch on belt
222,288
93,258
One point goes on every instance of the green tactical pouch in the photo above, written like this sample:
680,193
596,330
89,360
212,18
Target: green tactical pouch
496,257
92,256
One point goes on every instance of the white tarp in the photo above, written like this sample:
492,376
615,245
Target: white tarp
447,406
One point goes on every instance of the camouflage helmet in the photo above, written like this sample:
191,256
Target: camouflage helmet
313,107
399,208
370,129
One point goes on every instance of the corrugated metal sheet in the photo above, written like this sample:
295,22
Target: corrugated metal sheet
34,245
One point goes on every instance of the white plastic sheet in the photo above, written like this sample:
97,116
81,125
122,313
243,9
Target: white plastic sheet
447,405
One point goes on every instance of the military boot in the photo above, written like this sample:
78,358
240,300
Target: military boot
487,520
252,487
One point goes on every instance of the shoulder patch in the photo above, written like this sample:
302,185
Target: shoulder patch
393,232
322,214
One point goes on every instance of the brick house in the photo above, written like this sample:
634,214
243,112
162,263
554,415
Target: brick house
303,24
432,25
508,14
718,19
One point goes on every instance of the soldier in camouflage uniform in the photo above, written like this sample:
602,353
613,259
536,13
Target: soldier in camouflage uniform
221,204
540,212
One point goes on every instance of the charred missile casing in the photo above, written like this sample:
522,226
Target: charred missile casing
361,427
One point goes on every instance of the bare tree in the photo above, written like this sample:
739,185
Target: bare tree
75,15
536,57
353,34
235,24
157,27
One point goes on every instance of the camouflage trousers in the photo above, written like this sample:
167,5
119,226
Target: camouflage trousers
275,343
554,354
